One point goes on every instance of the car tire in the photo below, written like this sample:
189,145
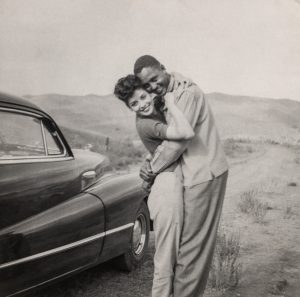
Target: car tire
138,242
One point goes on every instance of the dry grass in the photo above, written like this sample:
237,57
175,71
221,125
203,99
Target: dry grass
233,147
271,185
250,205
225,270
288,211
246,204
259,211
121,153
297,157
287,141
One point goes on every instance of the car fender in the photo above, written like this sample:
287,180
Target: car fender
122,196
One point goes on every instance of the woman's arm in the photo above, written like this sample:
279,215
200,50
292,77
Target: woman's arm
178,128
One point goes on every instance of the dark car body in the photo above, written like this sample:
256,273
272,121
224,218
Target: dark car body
61,211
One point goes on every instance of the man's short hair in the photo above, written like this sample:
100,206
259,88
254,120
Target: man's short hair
126,86
144,62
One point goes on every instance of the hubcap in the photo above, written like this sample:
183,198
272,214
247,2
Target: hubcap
139,234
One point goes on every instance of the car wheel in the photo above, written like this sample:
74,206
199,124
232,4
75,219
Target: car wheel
139,241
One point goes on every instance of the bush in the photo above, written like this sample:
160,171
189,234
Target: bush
225,270
260,211
246,205
252,206
233,147
288,212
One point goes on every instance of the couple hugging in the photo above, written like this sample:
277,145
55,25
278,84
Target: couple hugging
186,173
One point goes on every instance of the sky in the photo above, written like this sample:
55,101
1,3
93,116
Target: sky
79,47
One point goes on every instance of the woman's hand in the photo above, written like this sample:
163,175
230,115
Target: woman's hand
146,172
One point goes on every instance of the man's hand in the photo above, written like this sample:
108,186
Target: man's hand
146,172
147,187
181,85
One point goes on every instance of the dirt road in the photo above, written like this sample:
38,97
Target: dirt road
270,253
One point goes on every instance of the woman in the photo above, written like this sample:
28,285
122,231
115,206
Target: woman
158,120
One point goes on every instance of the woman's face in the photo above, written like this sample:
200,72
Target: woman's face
142,103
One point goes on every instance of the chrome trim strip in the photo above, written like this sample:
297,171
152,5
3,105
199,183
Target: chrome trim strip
62,144
15,110
111,231
44,138
65,247
55,134
35,160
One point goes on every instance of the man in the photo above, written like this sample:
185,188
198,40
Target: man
204,168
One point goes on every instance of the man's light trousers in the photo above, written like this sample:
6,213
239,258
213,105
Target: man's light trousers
202,211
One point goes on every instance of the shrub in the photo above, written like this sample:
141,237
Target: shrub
288,211
259,211
252,206
232,147
246,205
229,147
225,270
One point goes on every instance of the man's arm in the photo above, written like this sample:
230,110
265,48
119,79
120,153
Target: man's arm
179,127
190,102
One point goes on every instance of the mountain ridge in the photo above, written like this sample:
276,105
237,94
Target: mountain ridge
235,115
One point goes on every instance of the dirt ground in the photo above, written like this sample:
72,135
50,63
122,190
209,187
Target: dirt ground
270,253
270,247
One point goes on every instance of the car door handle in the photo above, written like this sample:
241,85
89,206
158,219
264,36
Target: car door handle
89,174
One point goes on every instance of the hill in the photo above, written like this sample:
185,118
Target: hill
235,115
100,115
253,117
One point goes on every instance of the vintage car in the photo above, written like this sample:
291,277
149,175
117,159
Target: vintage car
61,210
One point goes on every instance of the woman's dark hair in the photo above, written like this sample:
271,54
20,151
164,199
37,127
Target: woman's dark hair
126,86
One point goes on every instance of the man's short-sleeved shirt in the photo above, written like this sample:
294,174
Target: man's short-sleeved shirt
152,131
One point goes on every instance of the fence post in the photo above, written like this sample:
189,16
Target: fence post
107,144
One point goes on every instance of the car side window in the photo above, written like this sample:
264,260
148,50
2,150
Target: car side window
20,136
25,135
54,146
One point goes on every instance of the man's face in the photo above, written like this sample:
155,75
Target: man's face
142,103
155,80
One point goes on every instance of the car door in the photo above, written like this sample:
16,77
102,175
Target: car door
48,227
